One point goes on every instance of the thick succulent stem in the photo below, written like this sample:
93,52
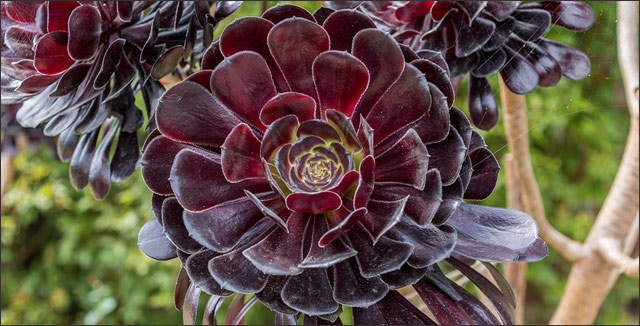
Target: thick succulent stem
515,273
591,279
517,132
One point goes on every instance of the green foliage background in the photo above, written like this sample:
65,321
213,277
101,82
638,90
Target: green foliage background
68,259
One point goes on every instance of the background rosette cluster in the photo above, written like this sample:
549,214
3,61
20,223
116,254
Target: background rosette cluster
481,38
74,67
317,163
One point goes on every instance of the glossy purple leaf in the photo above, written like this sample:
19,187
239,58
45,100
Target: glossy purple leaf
471,38
340,221
431,244
36,83
437,76
250,33
156,164
71,80
368,316
402,277
174,226
399,311
435,276
446,311
406,101
406,162
574,15
100,170
340,80
485,174
190,306
66,144
501,227
187,112
235,273
531,24
212,57
314,203
58,15
240,158
432,128
180,290
211,309
383,58
343,25
501,10
221,227
447,156
575,64
81,160
154,243
319,128
534,252
518,74
451,198
326,255
285,319
126,156
198,181
421,205
22,11
352,289
549,70
51,56
20,41
321,14
375,259
344,126
125,10
490,62
59,123
270,295
85,27
294,44
497,298
382,216
280,252
366,184
283,104
242,82
310,292
476,310
281,11
483,108
167,62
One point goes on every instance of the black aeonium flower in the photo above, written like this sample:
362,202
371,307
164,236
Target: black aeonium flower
317,164
74,68
481,38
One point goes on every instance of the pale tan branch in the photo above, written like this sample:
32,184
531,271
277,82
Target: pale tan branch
515,273
611,252
591,279
517,132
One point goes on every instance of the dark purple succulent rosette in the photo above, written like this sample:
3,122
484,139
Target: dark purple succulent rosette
74,68
481,38
320,165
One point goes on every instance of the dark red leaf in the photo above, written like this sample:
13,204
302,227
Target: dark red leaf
343,25
283,104
85,27
187,112
51,56
282,11
240,156
242,82
294,44
314,203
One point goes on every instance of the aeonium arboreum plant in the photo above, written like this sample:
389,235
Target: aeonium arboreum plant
481,38
74,68
314,165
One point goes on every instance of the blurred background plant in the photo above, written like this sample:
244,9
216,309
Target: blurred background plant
69,259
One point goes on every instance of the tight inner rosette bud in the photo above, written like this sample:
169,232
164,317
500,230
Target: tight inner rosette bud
315,163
